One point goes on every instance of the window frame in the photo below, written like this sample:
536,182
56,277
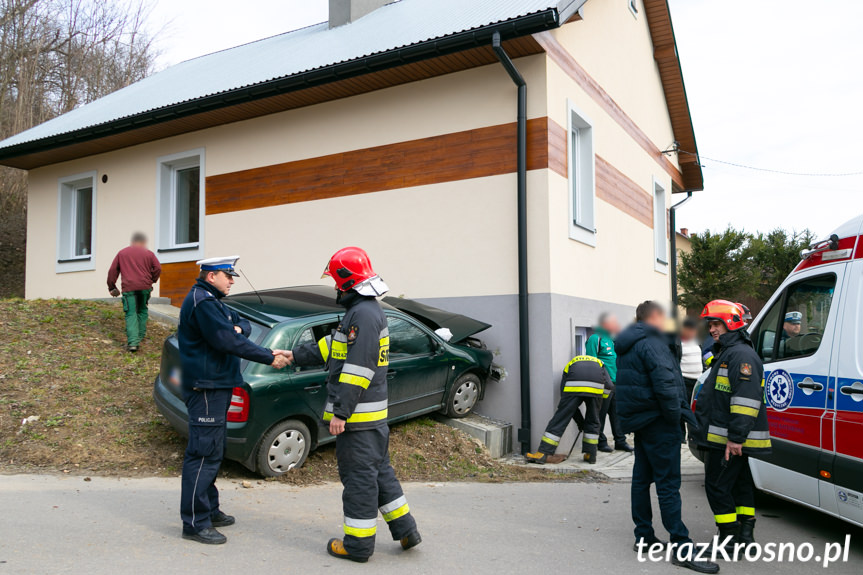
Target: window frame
660,227
581,174
166,213
782,301
66,261
633,7
432,337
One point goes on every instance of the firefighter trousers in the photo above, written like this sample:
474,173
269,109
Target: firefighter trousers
729,486
370,485
568,409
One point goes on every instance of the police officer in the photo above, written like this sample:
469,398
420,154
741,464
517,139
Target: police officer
732,421
357,356
585,380
212,340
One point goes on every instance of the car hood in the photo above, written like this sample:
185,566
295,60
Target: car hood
461,326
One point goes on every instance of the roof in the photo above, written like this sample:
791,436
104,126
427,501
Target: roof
402,24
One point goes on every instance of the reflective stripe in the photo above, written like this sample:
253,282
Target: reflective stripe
586,384
360,527
364,412
324,347
341,337
354,369
582,389
552,436
744,410
754,403
758,435
746,511
726,518
757,443
717,430
394,510
369,406
581,358
550,441
722,372
591,438
755,439
354,380
722,380
339,350
385,332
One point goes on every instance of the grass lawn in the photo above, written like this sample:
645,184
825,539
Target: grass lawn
64,361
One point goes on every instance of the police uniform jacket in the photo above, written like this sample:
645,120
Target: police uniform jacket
210,348
730,405
586,376
357,356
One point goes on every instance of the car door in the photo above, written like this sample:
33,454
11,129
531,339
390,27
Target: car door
418,369
796,377
846,417
313,379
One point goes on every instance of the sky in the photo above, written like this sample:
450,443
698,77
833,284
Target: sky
772,84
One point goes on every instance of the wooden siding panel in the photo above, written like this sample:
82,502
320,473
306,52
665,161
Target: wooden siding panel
478,153
614,187
176,280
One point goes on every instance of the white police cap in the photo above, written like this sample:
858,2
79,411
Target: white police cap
219,265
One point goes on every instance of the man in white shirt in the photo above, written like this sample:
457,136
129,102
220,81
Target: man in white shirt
690,361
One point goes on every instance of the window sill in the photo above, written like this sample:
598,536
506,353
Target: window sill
73,260
187,248
661,267
582,235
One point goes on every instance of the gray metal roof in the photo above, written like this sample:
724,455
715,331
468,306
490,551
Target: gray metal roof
397,25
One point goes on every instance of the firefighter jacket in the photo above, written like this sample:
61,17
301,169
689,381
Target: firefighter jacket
357,356
210,348
585,376
730,406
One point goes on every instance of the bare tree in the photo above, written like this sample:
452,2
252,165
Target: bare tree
56,55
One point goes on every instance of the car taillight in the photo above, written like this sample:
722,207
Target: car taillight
239,410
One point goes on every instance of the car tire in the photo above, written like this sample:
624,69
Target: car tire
463,396
284,447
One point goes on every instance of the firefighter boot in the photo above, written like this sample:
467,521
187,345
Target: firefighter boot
590,457
728,537
747,530
337,549
539,458
412,540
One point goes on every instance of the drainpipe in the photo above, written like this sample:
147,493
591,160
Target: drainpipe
521,168
673,218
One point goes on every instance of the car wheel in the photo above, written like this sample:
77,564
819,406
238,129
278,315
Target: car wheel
463,395
284,447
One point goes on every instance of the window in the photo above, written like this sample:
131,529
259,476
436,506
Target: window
660,227
406,339
309,335
579,341
76,217
633,7
180,202
806,307
581,177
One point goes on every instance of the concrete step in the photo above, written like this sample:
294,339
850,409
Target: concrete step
495,435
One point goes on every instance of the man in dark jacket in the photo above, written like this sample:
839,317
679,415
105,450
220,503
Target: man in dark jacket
357,358
140,270
732,422
212,340
585,380
650,403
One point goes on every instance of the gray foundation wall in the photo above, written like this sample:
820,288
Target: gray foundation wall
553,319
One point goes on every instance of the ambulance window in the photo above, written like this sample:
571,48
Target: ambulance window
805,316
764,336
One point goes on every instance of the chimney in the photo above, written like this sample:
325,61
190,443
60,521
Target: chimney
347,11
684,232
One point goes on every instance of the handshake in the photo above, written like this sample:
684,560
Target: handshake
282,358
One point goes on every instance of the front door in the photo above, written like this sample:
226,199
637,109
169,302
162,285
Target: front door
417,372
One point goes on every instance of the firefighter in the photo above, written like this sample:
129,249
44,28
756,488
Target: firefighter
357,356
732,422
585,380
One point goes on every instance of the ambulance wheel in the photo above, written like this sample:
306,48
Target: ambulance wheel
463,395
284,447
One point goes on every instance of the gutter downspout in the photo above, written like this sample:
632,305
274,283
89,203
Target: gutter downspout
673,218
521,168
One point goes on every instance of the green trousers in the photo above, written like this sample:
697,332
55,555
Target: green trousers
135,307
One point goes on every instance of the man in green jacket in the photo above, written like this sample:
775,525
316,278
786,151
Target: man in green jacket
601,346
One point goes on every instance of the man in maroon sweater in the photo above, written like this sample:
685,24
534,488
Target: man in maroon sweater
140,270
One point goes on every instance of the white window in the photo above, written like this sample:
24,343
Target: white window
180,207
75,224
582,185
660,227
579,341
633,7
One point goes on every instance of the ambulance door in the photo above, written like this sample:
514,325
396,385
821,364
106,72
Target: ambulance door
846,484
797,356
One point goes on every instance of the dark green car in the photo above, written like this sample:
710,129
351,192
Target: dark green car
275,418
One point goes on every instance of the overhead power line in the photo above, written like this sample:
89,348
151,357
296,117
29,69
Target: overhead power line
783,172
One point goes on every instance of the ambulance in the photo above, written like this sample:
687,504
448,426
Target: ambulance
810,336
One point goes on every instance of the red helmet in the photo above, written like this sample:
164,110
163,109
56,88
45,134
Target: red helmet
349,267
729,313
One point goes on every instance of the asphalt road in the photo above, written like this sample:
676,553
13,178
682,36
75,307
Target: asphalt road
106,526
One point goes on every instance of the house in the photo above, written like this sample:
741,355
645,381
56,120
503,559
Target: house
395,127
